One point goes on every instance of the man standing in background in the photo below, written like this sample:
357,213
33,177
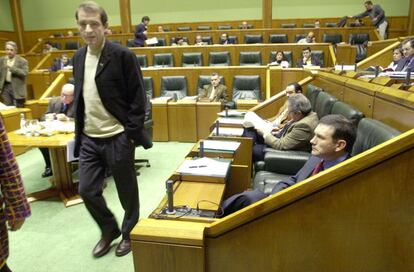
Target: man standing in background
109,122
141,32
377,16
13,73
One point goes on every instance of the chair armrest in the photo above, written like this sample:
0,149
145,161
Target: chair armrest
285,162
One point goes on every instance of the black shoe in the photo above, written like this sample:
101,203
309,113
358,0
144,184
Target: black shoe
103,246
123,248
47,173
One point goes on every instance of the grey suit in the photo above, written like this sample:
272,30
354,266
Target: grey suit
55,106
16,90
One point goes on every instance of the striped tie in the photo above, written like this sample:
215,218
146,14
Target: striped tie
318,168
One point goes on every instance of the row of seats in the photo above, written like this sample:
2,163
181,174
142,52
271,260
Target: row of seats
249,26
273,38
278,165
219,58
244,86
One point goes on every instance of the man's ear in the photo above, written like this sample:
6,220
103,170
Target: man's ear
340,145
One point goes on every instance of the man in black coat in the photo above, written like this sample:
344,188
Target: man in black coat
110,106
141,32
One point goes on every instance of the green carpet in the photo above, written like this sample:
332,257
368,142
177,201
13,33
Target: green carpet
61,239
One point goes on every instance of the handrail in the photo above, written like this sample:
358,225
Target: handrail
363,63
60,79
313,184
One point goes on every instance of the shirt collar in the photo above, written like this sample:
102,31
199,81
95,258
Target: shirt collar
329,164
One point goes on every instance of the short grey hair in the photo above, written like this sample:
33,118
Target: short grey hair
299,103
11,43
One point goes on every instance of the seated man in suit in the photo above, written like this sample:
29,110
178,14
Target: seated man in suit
214,92
307,59
332,144
295,135
224,39
59,108
408,60
310,38
62,64
199,40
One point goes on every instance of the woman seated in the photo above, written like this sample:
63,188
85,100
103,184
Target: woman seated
280,60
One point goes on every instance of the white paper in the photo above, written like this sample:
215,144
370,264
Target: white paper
221,145
151,41
70,148
204,167
229,131
232,113
231,121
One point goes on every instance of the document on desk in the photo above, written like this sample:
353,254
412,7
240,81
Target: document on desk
231,121
232,113
221,145
212,170
223,131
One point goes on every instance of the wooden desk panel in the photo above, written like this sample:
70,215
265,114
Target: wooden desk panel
206,115
192,193
160,119
182,121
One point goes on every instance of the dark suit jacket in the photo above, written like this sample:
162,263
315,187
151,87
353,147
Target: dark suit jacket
139,35
314,62
221,95
57,66
121,89
55,106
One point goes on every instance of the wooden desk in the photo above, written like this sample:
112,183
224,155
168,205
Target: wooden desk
160,118
182,121
62,182
243,104
206,114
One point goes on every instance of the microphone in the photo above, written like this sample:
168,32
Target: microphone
217,128
175,97
226,109
170,198
408,77
201,150
355,67
376,71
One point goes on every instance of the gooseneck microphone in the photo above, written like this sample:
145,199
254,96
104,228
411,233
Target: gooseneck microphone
201,150
170,197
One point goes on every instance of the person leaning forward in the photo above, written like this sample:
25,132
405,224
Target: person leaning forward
110,106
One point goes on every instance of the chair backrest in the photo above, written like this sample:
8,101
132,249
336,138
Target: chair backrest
358,38
370,133
308,25
286,25
319,55
299,37
252,38
246,87
183,28
130,43
142,60
161,42
206,80
72,45
148,87
324,103
278,38
163,60
58,35
348,111
174,40
207,39
204,27
174,86
361,52
219,58
224,27
312,93
331,24
249,26
288,57
55,45
332,38
192,59
250,58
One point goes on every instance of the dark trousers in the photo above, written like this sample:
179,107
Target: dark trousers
5,268
8,98
258,144
46,156
239,201
117,154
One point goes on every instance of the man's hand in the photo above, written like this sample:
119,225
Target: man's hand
15,224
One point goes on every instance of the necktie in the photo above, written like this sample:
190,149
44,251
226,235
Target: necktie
318,168
64,108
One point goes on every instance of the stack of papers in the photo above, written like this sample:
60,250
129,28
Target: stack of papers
232,113
223,131
231,121
221,145
205,167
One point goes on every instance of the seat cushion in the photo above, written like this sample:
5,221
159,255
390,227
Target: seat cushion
265,181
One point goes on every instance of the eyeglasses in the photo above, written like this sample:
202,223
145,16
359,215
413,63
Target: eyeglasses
66,95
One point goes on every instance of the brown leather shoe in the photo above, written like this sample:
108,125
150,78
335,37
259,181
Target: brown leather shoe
123,248
103,246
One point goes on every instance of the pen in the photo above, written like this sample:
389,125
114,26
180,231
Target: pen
198,166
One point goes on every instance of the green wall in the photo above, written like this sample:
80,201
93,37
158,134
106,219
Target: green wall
51,14
6,20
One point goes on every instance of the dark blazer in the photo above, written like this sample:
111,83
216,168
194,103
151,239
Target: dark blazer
120,87
57,66
314,62
55,106
139,35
